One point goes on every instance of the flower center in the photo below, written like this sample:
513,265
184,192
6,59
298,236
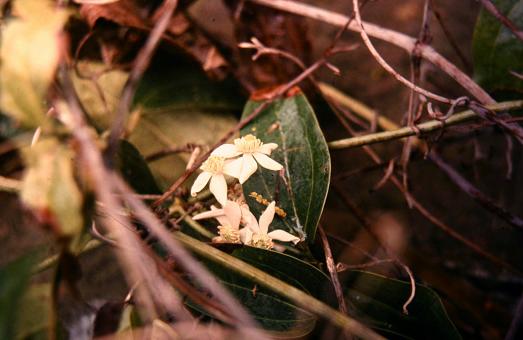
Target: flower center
213,164
229,234
261,241
248,143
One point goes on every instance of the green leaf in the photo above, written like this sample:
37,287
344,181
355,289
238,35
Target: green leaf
272,311
99,90
49,187
135,170
378,301
35,312
180,105
13,282
30,52
287,268
301,192
496,51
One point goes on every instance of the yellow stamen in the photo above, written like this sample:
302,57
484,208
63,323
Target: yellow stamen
248,143
213,164
261,241
228,234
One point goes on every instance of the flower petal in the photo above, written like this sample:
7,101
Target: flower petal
218,187
249,219
214,212
245,235
266,218
221,218
249,167
267,148
283,236
226,151
267,162
200,182
233,168
234,214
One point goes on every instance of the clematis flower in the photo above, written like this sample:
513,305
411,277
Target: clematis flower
229,218
257,235
213,171
253,152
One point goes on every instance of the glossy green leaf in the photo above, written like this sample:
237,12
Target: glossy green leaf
13,281
497,51
30,51
273,312
178,105
378,301
135,170
301,191
287,268
50,189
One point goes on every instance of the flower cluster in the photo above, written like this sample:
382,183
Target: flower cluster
240,160
254,233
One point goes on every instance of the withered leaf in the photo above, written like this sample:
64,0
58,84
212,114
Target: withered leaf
50,189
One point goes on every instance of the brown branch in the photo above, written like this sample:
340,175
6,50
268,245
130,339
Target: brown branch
136,266
329,260
473,192
399,39
140,65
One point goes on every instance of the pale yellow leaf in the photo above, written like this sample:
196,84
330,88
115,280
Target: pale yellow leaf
50,189
29,55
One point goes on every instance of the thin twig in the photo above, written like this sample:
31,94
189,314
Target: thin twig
472,191
140,65
423,128
399,39
385,178
340,267
10,185
387,67
329,260
484,112
188,148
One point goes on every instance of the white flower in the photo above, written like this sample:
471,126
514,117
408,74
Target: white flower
252,150
213,170
256,232
229,218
